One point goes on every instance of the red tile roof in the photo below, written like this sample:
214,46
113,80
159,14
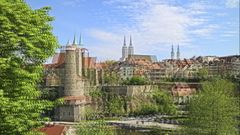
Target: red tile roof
183,90
89,62
58,59
53,130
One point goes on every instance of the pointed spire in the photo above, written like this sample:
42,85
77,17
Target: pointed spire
130,41
80,40
130,48
178,53
74,40
124,41
172,53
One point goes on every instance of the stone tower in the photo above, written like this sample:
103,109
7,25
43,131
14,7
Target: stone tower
178,53
130,48
70,71
67,74
73,93
124,49
172,53
73,70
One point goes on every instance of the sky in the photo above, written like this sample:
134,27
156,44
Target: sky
199,27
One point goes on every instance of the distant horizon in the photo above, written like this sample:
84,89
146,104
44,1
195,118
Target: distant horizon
201,28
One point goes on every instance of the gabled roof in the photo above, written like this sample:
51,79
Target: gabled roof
58,60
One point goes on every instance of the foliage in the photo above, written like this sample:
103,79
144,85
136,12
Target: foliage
50,94
26,41
213,110
94,128
164,102
115,106
146,109
111,78
158,102
136,80
202,73
92,114
96,93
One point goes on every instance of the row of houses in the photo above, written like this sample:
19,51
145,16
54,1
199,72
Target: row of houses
149,67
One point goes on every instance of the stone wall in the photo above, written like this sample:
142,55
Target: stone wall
70,113
130,90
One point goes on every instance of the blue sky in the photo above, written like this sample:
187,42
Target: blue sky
200,27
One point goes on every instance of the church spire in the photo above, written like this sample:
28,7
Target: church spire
178,53
172,53
130,41
124,41
130,48
124,49
74,40
80,40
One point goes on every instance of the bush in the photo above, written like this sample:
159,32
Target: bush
136,80
147,109
94,128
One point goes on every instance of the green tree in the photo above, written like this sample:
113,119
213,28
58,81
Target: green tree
26,41
94,128
111,78
110,75
165,103
155,103
115,106
136,80
202,73
146,109
214,110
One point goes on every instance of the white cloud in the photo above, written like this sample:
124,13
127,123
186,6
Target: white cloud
104,35
206,31
163,24
155,25
232,3
108,46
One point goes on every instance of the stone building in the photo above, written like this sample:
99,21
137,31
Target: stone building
224,66
183,92
72,73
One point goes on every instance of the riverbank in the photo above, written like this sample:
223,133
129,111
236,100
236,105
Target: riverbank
140,124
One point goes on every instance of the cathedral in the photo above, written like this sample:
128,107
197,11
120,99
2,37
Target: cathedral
173,54
127,51
71,74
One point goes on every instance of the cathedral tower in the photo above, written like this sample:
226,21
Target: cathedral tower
130,48
172,53
178,53
124,49
80,40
